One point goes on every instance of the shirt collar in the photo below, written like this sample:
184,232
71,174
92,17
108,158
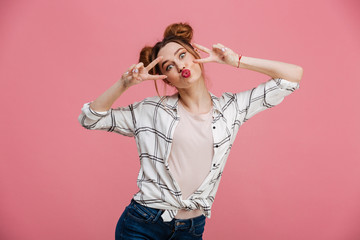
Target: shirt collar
172,102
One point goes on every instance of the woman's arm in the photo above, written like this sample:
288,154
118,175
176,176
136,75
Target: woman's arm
105,101
274,69
136,74
99,115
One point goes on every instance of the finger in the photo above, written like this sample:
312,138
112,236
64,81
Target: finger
153,63
135,72
202,48
139,65
131,68
219,45
136,69
220,48
156,77
203,60
141,68
197,51
129,71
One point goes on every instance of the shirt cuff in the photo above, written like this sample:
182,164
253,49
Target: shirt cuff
92,114
286,84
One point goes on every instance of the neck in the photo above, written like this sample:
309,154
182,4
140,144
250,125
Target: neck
196,99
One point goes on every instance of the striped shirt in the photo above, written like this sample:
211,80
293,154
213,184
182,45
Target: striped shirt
152,122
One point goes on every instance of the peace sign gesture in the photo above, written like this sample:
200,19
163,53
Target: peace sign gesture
137,73
219,53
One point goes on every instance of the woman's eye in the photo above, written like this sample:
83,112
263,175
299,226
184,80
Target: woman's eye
182,54
167,68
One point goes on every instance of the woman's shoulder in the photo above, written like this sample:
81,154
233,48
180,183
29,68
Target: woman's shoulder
223,98
162,98
161,101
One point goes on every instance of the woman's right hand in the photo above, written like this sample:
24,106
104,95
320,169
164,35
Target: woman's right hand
137,73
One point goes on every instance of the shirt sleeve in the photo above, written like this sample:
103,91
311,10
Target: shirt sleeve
121,120
264,96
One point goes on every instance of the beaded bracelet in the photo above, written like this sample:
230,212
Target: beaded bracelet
239,61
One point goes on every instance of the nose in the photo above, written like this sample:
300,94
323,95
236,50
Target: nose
180,69
180,66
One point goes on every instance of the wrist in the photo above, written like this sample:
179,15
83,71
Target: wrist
122,85
236,61
239,60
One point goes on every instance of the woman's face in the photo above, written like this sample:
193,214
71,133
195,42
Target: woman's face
175,59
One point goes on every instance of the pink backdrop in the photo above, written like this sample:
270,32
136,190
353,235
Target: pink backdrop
293,173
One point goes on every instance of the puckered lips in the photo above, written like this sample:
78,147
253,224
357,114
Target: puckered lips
185,73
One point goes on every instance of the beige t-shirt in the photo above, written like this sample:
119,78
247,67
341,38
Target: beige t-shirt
191,154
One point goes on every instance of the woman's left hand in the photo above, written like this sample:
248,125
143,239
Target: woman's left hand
219,54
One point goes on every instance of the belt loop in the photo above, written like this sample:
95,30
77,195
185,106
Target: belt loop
158,215
192,227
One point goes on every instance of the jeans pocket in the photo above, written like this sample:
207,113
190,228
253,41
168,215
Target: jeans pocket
139,213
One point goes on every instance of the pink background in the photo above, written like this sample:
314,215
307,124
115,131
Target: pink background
293,173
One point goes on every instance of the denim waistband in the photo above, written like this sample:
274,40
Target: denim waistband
177,223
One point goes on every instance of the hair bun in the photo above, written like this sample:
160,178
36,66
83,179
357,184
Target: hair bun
183,30
145,55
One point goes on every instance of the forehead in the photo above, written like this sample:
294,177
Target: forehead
169,49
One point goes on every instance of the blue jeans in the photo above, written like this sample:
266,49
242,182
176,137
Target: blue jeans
140,222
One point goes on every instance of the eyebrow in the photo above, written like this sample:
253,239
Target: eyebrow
162,65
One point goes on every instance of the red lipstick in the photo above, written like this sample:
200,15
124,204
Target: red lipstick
185,73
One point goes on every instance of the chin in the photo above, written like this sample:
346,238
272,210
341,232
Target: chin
191,80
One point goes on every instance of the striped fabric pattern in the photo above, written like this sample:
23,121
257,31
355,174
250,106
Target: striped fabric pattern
152,122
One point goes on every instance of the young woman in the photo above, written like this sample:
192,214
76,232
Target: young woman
183,140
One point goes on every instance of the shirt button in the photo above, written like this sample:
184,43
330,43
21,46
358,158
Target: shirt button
216,146
214,127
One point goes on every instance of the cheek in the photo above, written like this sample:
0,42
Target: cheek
190,57
171,74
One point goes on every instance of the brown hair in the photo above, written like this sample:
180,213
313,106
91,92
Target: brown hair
180,33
